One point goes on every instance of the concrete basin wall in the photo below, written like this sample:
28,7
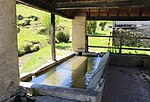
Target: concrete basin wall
130,60
93,93
97,78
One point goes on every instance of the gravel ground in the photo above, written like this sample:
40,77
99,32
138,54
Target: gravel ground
126,84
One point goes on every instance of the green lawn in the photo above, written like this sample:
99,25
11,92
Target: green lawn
44,55
37,59
98,41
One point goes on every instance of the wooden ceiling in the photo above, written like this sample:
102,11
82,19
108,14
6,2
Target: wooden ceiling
95,9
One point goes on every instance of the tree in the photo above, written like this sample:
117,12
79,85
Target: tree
91,28
47,25
102,25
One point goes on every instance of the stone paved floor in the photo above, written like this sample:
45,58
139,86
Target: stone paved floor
126,84
51,99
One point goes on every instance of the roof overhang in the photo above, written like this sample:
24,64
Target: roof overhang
124,10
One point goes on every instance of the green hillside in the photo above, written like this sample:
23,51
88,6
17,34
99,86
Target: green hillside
33,37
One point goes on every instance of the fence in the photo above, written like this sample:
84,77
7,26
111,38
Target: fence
120,47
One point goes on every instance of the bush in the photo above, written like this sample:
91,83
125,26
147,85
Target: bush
62,37
27,48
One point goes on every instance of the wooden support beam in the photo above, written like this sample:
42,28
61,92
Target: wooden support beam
87,41
53,36
100,4
121,43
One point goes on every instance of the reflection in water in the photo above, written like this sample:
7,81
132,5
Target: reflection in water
75,72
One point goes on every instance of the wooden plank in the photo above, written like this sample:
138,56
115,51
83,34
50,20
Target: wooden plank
53,36
99,36
118,36
100,4
100,46
142,49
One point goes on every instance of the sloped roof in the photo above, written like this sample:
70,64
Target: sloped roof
95,9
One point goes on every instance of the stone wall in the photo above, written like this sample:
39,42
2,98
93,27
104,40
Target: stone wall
130,60
9,70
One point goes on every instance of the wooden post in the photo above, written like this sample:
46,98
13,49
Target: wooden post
87,43
53,36
120,48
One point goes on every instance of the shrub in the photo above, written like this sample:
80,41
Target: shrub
62,37
27,47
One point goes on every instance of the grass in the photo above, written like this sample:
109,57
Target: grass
136,51
29,35
65,46
37,59
27,11
63,49
43,56
26,38
97,41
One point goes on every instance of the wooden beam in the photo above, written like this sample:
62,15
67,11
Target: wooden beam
141,49
97,36
99,4
120,18
53,37
45,7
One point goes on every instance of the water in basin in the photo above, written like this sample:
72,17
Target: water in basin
75,72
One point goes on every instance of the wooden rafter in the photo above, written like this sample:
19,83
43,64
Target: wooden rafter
129,11
141,12
108,12
99,4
